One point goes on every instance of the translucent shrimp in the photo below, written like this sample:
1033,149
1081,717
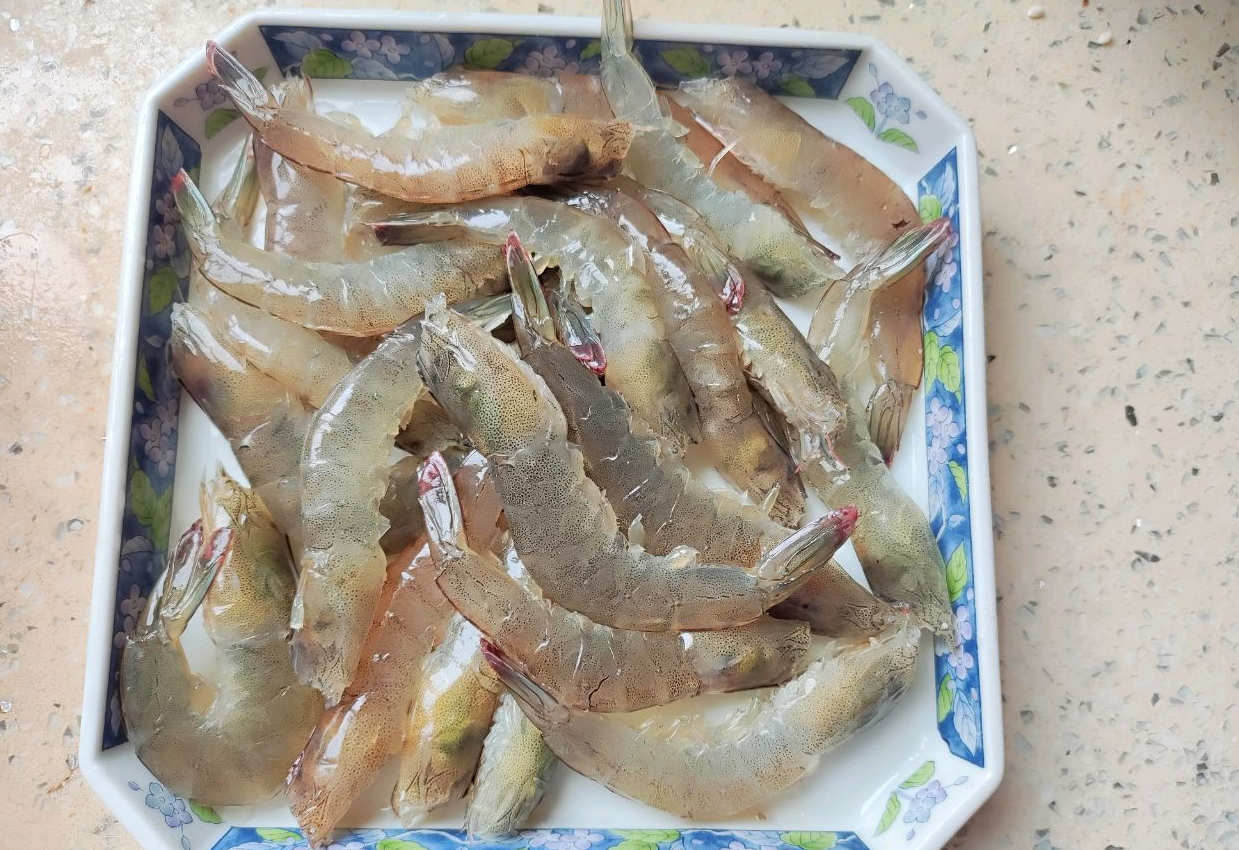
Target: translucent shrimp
305,208
451,715
443,165
682,765
586,665
357,299
344,472
783,254
856,204
263,421
229,741
512,775
893,540
701,336
462,96
355,737
565,531
607,273
658,499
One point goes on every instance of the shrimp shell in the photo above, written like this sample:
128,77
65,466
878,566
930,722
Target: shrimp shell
586,665
512,776
229,741
682,765
357,299
562,526
443,738
462,96
442,165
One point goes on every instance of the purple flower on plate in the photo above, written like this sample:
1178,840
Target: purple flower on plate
164,238
346,845
940,420
923,803
362,46
735,63
209,95
562,839
548,62
172,807
392,49
765,65
158,434
166,207
961,661
890,104
936,453
963,623
131,609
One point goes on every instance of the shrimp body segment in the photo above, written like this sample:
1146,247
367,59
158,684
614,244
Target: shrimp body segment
788,259
230,741
586,665
512,775
442,165
682,765
563,528
356,299
462,96
609,274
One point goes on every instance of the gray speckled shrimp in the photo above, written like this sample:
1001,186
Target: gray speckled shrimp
762,235
229,741
658,499
586,665
512,775
357,299
893,540
682,765
607,273
565,531
701,336
443,165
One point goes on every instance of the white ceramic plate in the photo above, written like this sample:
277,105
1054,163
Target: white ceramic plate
910,781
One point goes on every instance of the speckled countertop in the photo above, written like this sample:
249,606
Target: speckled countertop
1111,213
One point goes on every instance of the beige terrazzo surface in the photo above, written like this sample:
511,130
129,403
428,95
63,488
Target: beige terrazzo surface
1111,202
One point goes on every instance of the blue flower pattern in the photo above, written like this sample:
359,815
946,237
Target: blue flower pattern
403,55
883,106
155,412
946,439
171,807
278,838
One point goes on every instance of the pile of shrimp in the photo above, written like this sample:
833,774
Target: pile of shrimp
474,369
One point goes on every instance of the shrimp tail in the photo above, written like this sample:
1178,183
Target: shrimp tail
576,331
240,196
888,412
788,563
904,254
487,312
189,576
247,92
195,210
530,313
441,507
533,697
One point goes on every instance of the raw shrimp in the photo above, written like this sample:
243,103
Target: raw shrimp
701,336
263,421
586,665
358,299
442,165
355,738
683,765
609,274
658,499
230,741
892,539
462,96
856,204
784,255
512,775
451,714
305,208
565,531
343,477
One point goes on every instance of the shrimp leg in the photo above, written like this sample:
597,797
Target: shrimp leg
443,165
357,299
681,765
589,666
563,528
787,258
